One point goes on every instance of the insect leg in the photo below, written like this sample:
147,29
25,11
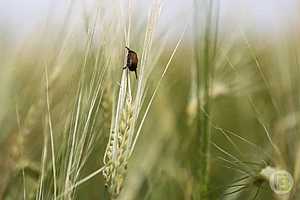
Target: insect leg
135,74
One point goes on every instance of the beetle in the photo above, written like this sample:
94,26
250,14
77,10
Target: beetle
132,61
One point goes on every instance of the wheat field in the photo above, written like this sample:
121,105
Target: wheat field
212,114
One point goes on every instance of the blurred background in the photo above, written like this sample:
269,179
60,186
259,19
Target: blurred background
233,76
20,18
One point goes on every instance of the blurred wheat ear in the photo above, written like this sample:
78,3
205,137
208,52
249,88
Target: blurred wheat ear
205,43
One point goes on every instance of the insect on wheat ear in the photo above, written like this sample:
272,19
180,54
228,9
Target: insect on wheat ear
132,61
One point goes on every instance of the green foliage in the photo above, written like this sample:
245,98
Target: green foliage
211,121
